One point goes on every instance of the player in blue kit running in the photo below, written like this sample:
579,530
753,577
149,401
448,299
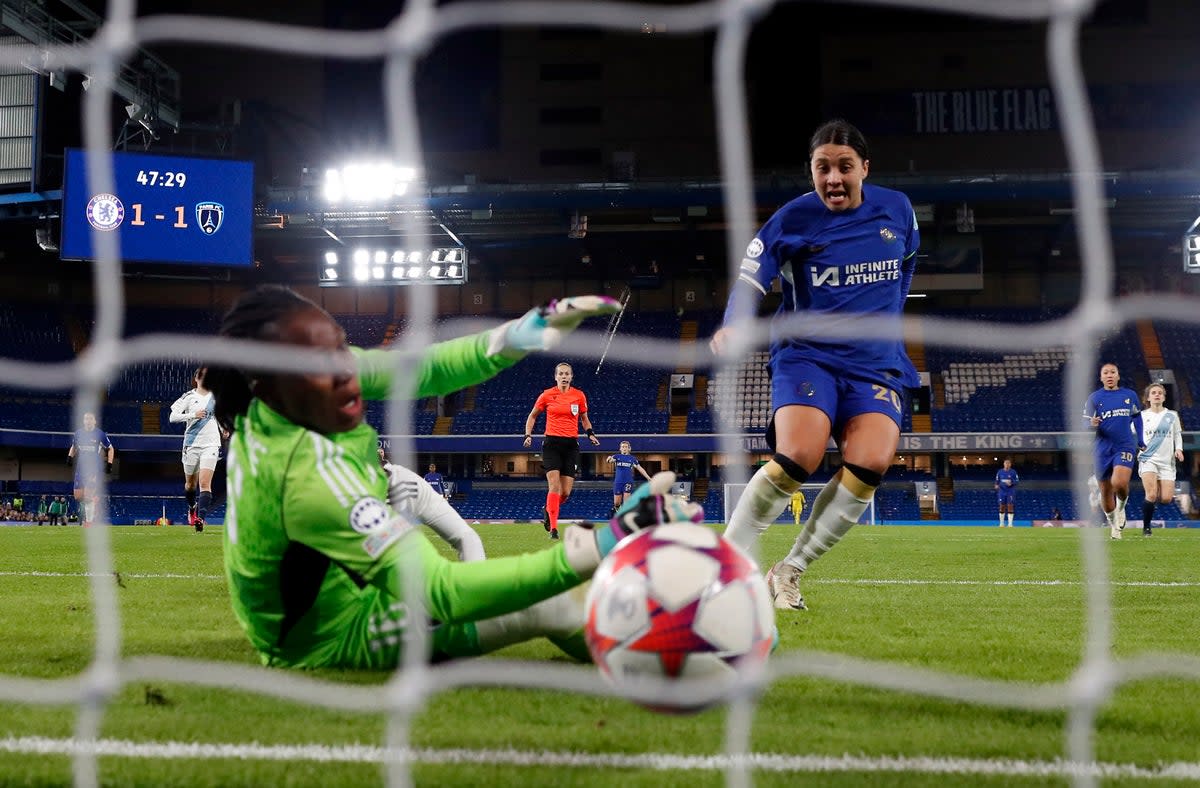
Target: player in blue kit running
841,251
1116,415
91,453
624,464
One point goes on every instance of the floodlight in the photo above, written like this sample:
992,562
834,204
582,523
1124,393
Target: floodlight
333,186
392,267
367,182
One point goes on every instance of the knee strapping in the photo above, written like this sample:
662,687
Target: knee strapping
785,478
865,475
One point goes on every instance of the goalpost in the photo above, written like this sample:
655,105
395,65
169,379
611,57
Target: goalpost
734,491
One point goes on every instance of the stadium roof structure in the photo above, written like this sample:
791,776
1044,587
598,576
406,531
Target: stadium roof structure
1140,202
534,221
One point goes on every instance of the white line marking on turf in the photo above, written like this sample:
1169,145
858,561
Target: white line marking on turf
916,582
137,575
809,580
357,753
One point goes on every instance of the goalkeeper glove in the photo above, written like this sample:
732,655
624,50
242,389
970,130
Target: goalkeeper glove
544,327
650,505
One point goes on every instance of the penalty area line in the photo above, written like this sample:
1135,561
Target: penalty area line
357,753
851,581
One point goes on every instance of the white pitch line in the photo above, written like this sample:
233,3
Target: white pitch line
916,582
135,575
357,753
808,581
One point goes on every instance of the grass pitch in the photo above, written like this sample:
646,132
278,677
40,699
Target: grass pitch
978,602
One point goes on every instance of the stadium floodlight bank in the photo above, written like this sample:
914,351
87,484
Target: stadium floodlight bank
365,267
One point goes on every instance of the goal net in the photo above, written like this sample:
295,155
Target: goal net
732,492
1099,671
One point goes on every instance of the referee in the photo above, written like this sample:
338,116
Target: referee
565,407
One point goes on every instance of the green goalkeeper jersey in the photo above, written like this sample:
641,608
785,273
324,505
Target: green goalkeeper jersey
315,557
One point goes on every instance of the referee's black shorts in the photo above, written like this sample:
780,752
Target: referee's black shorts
560,454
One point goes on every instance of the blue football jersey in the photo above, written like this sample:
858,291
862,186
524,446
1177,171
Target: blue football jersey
436,481
623,464
1116,409
94,440
1009,476
839,264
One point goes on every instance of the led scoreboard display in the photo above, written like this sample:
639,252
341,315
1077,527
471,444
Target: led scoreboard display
166,209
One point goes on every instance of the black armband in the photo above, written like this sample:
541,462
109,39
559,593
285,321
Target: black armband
591,433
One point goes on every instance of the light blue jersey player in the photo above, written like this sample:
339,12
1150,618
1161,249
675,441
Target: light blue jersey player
842,251
1006,491
1115,413
624,464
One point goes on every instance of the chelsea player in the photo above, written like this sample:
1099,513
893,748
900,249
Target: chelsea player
88,446
624,464
843,250
1006,491
1115,413
436,480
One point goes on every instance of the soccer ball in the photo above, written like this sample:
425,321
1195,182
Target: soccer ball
676,616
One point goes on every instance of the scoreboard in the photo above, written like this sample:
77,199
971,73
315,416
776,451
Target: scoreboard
168,209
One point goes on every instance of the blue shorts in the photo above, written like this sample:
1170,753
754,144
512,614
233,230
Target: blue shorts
1107,457
841,396
622,487
1008,496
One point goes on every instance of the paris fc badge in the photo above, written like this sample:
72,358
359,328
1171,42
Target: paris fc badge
209,215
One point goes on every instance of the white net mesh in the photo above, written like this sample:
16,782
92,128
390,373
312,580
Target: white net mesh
1098,673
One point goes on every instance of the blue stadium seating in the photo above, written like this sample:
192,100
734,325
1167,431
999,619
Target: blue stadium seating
1181,353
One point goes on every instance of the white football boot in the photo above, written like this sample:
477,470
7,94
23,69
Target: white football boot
783,581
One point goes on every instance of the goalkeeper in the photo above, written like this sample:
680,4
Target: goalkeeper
314,554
